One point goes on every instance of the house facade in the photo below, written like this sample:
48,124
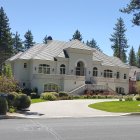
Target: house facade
68,66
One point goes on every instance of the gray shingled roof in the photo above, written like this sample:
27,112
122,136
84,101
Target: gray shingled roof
56,49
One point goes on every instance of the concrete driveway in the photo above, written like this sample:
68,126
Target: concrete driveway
67,108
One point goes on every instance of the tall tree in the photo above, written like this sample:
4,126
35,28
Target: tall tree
77,35
138,57
28,40
93,44
119,40
133,8
6,49
17,43
132,57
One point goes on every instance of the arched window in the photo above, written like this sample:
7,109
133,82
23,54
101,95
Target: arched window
108,73
44,68
62,69
95,71
80,68
51,87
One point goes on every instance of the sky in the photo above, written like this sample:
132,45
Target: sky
61,18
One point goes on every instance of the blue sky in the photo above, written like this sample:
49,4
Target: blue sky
60,18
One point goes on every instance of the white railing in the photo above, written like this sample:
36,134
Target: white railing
78,90
95,80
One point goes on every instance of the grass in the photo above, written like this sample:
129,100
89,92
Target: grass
118,106
38,100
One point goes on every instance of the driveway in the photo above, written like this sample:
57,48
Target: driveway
67,108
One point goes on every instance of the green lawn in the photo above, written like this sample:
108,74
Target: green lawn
37,100
118,106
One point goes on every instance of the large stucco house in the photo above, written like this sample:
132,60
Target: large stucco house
69,65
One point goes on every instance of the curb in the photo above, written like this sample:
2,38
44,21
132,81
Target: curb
10,117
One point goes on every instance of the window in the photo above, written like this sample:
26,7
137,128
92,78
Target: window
118,75
120,90
25,65
108,73
51,87
44,68
125,76
24,84
95,71
62,69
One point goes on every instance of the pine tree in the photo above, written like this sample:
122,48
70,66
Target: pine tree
133,7
17,43
138,57
93,44
132,57
77,35
5,38
119,40
28,40
45,40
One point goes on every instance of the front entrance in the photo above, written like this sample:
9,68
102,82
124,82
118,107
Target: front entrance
80,70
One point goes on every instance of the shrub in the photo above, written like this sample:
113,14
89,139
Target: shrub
27,91
51,96
22,101
128,98
63,94
11,98
3,106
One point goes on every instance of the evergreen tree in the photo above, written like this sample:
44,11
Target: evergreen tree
45,40
17,43
77,35
93,44
132,57
133,7
138,57
119,40
28,40
6,49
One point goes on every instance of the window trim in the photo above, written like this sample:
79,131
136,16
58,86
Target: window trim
108,73
62,69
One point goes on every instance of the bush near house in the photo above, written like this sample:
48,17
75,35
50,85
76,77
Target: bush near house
22,101
50,96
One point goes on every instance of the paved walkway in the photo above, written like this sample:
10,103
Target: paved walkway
67,108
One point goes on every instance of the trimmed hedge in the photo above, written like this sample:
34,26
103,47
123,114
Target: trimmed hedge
22,101
50,96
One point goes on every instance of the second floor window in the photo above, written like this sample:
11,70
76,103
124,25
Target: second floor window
125,76
62,69
108,73
118,75
95,71
25,65
44,68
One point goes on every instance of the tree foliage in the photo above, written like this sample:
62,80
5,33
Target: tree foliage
7,71
17,43
119,40
77,35
28,40
132,57
133,8
45,40
138,57
6,48
93,44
